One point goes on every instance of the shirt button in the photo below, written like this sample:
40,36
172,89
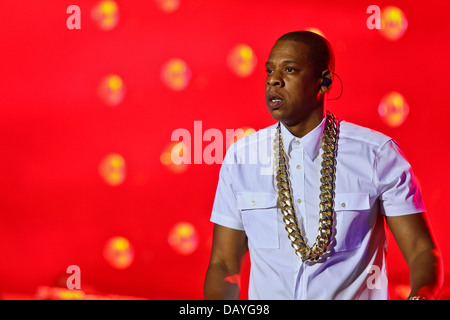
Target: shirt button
299,200
299,167
343,204
253,202
296,142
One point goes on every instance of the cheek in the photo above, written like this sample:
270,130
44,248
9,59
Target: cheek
308,89
297,91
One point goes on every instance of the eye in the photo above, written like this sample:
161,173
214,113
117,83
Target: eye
269,71
290,69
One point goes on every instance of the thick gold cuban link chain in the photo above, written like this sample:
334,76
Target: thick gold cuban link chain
327,214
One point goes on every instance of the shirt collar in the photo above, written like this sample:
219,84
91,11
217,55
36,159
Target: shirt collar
311,141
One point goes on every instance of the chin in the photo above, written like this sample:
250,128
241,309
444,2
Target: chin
277,115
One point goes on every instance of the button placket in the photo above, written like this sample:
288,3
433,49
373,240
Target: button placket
297,178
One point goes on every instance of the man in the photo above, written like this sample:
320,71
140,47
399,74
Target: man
315,228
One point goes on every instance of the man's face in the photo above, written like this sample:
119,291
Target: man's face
292,84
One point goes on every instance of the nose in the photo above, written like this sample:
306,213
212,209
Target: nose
274,80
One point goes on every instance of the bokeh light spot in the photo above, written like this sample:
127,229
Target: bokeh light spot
315,30
112,90
242,60
168,5
119,252
173,154
106,15
393,23
233,136
248,131
112,169
402,291
183,238
393,109
176,74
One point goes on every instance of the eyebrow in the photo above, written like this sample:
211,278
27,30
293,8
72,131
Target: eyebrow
284,61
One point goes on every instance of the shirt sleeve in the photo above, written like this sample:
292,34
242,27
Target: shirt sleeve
399,190
225,211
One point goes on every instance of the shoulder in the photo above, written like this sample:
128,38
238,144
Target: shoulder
350,132
256,138
256,144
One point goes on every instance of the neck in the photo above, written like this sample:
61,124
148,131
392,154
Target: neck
303,127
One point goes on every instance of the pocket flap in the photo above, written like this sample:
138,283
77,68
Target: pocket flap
351,201
256,200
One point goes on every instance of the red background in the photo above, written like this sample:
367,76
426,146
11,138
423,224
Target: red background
55,208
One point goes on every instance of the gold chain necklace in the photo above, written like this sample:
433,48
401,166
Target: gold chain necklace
327,214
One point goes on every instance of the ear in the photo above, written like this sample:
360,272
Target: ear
324,86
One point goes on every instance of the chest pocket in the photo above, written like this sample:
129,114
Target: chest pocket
352,220
259,216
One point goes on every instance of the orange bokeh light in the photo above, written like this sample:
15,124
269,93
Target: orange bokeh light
393,109
168,5
176,74
315,30
393,23
174,151
112,169
183,238
247,131
119,252
111,90
106,15
242,60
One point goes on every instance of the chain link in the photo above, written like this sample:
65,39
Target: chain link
326,214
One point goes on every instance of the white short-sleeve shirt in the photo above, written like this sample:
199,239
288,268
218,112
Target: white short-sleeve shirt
373,180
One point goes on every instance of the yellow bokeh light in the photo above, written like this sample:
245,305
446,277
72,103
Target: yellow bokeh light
393,109
112,169
112,90
174,151
168,5
166,158
115,82
72,295
393,23
233,136
118,252
106,15
402,291
176,74
121,244
242,60
248,131
315,30
183,238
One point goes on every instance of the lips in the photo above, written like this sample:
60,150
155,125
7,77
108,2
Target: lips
274,100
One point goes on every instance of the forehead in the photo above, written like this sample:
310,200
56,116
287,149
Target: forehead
288,50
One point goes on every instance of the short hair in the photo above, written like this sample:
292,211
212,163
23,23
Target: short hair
320,54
